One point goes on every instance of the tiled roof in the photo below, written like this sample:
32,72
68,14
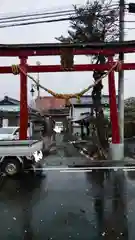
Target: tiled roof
8,104
47,102
9,101
87,100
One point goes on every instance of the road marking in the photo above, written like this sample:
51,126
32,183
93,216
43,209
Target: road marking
86,169
75,171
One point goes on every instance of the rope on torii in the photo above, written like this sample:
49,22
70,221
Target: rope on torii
16,69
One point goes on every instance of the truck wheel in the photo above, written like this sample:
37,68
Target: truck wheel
11,166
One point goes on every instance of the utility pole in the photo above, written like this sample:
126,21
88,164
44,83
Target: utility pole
121,75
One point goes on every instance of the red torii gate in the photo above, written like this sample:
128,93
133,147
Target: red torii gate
23,51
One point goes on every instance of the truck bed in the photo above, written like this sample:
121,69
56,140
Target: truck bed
19,147
18,142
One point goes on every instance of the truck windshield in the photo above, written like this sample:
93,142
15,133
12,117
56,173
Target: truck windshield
7,130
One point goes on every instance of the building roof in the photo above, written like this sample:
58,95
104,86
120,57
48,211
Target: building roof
9,101
8,104
87,100
48,102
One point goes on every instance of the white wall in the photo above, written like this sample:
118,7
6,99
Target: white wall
32,103
77,111
4,122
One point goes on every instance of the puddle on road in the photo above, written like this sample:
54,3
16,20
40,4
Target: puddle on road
97,205
68,205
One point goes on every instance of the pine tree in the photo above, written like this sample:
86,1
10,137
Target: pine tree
97,21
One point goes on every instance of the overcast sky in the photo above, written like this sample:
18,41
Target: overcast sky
60,82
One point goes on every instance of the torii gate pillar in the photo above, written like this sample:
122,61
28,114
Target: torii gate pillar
23,101
116,148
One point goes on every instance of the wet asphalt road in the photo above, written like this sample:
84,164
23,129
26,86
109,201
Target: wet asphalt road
62,206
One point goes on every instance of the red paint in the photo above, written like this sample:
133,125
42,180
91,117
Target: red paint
76,68
34,51
23,51
113,107
23,101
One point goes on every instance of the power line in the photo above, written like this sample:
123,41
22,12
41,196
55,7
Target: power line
37,14
39,11
45,16
43,21
21,22
126,28
133,21
38,22
44,13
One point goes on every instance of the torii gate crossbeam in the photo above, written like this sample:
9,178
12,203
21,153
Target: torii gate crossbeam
58,68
